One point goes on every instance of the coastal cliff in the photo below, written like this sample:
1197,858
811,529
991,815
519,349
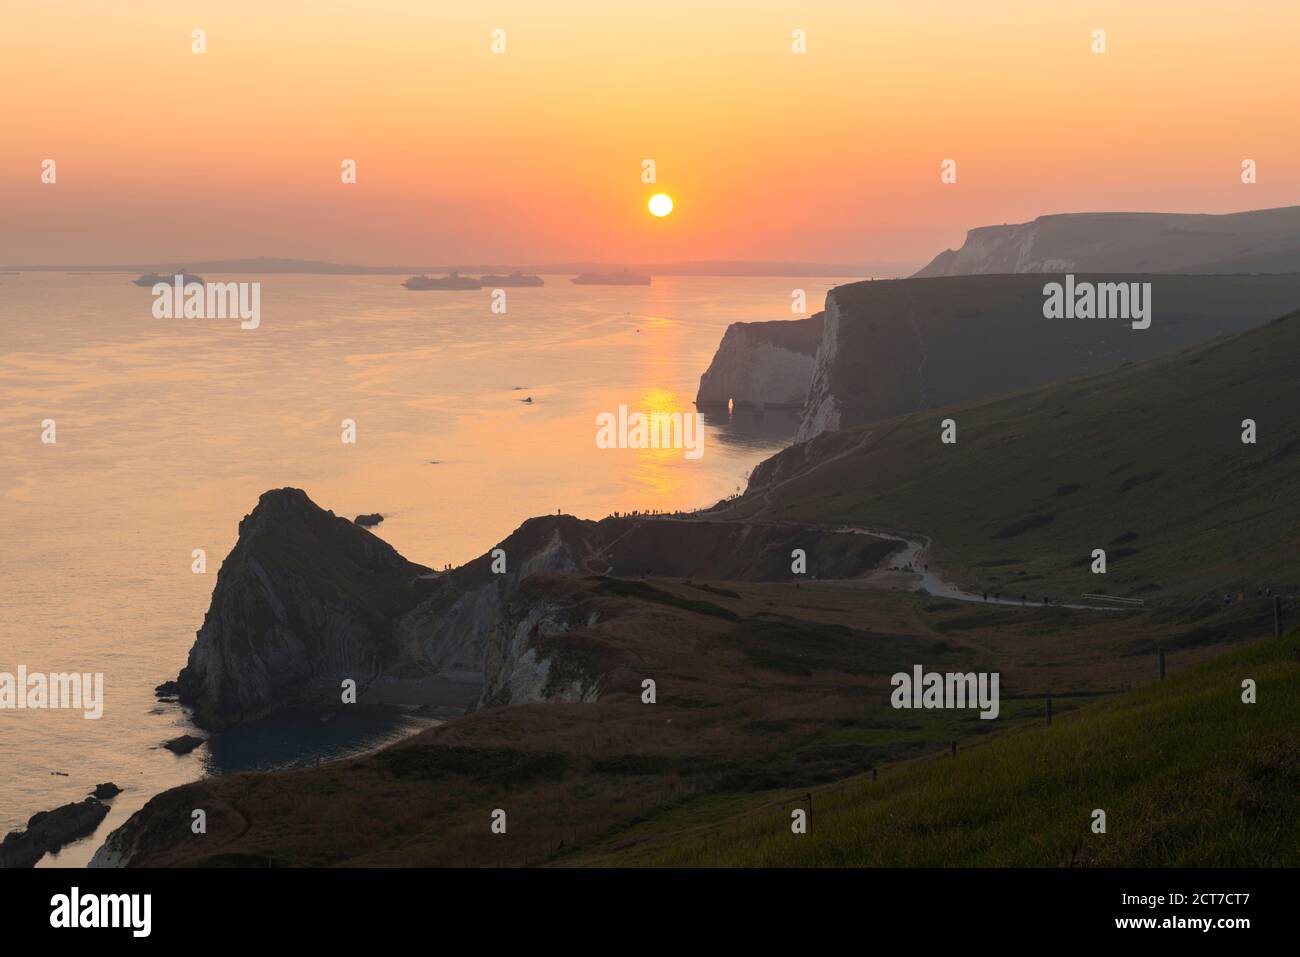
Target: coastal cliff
521,666
1001,249
307,599
557,638
762,365
893,347
821,406
1264,240
304,600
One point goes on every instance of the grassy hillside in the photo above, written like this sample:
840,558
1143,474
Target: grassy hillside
1186,772
1146,462
760,686
771,690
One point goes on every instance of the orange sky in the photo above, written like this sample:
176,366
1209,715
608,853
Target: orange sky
534,155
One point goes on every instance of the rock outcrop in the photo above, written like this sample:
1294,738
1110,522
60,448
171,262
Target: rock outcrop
307,599
50,830
762,365
1265,240
519,668
304,600
182,744
450,627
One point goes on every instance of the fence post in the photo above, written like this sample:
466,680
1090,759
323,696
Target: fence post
954,749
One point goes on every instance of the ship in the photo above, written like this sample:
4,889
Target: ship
623,278
153,278
452,281
516,278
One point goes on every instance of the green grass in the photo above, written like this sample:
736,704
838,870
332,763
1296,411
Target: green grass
1146,462
1187,774
626,588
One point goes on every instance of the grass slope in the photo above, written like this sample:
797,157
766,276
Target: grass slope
1146,462
1187,774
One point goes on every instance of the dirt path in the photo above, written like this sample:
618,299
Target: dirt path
897,575
914,554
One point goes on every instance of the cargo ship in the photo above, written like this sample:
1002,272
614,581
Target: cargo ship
516,278
452,281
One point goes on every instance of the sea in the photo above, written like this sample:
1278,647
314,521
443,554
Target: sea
130,444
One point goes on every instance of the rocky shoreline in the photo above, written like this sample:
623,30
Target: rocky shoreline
49,831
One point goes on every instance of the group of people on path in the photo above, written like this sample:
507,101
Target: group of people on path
1229,598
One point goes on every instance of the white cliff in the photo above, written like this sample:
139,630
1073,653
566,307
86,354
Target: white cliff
762,365
1264,240
821,408
517,669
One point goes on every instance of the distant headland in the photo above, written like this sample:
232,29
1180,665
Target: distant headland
264,264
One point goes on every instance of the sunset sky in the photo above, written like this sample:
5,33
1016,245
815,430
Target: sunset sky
534,155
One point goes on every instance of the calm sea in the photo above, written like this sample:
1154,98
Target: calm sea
168,430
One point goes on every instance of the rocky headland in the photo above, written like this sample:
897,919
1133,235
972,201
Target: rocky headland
1258,241
762,365
307,600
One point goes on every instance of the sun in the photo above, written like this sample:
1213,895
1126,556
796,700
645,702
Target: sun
661,204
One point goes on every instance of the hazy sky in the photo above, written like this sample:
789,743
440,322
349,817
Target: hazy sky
535,154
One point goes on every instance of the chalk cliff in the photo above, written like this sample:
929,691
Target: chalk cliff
821,406
1264,240
307,599
762,365
304,600
520,666
892,347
